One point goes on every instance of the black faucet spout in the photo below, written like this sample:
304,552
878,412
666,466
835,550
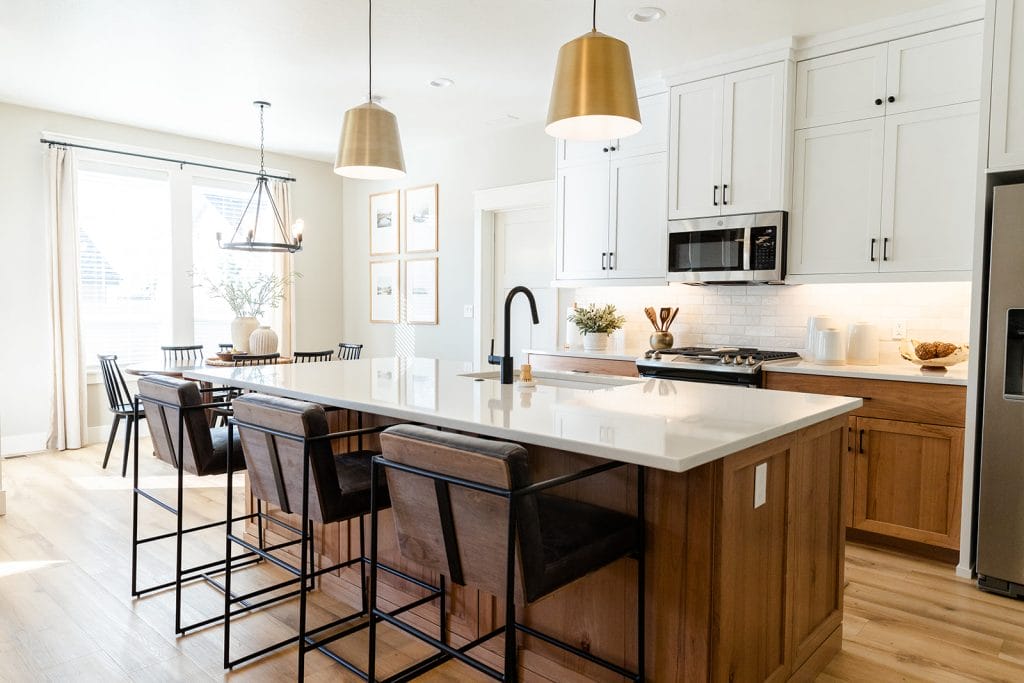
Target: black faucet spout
505,361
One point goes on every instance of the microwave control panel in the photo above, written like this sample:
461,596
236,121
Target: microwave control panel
762,248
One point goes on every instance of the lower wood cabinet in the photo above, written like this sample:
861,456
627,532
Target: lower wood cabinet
902,477
596,366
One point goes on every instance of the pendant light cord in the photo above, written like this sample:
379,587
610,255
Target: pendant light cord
593,18
369,50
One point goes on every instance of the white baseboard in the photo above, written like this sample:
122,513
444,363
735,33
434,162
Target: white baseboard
964,571
3,503
20,444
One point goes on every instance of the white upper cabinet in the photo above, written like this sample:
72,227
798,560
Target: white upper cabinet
611,204
934,69
847,86
726,144
1006,137
638,232
753,139
891,187
928,181
695,163
837,192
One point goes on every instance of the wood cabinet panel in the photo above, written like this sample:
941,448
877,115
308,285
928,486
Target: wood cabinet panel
908,479
597,366
940,404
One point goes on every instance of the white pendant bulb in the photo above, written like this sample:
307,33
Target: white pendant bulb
370,147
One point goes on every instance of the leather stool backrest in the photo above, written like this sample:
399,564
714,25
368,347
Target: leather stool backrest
460,532
274,463
197,456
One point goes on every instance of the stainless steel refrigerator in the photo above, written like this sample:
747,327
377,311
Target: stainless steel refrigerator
1000,549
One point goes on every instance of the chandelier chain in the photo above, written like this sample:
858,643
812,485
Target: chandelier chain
262,170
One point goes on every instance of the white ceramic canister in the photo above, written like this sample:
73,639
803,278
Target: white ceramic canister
829,350
263,340
815,324
862,348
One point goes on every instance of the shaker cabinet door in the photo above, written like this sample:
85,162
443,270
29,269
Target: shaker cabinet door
1006,140
582,222
847,86
837,190
695,164
638,231
934,69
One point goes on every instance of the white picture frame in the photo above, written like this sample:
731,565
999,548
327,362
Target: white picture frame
421,219
384,291
384,223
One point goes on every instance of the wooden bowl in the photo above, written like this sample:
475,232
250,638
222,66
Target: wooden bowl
228,356
907,347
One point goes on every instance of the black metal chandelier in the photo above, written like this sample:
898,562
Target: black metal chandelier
246,238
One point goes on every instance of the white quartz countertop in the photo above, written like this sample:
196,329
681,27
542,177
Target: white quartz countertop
900,371
667,425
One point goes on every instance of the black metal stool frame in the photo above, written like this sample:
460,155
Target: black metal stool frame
305,638
446,652
205,571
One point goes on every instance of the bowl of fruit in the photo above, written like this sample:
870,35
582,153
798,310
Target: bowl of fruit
934,354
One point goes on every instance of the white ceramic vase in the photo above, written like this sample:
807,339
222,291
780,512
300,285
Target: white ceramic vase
595,341
263,340
241,328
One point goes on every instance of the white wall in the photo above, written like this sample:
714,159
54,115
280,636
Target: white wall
507,157
24,340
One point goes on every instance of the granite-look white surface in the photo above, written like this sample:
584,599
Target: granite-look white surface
901,371
664,424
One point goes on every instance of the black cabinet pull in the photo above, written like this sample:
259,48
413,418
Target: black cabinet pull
604,256
861,441
885,248
849,436
611,260
724,188
891,99
714,197
878,101
873,241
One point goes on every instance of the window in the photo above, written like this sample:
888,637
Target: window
217,207
124,228
145,229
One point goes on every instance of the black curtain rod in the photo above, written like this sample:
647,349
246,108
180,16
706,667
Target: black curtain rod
180,162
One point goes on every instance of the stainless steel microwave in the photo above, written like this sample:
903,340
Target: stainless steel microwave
749,248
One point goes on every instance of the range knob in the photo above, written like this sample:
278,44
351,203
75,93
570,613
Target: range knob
726,358
739,360
751,361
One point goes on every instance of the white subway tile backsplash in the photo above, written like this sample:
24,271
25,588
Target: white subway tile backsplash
777,316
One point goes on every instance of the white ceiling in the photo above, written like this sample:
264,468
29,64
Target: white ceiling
193,66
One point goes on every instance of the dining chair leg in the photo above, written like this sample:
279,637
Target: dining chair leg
127,444
110,439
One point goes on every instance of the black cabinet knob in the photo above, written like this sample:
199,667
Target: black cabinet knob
891,98
878,101
606,149
613,149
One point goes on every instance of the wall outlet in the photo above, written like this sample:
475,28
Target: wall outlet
467,311
899,329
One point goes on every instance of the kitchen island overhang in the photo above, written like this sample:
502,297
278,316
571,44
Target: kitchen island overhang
745,535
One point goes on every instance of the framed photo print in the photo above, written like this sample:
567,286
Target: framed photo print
384,293
421,291
421,218
384,223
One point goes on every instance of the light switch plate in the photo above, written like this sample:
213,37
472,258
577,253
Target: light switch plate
467,311
760,484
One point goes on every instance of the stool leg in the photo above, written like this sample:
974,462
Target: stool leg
227,551
371,664
511,668
135,512
110,440
303,570
362,565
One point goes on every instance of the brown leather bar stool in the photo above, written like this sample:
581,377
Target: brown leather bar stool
291,465
466,508
183,438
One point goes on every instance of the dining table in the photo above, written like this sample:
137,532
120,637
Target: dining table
177,368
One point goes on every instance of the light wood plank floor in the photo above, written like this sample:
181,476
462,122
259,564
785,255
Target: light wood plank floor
66,613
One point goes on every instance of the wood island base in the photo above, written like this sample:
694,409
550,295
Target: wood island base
745,561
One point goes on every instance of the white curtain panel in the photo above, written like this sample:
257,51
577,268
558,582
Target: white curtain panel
283,318
68,427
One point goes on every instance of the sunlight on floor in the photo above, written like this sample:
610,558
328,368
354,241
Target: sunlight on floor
20,567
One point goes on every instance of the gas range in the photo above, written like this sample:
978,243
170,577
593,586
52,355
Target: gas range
718,365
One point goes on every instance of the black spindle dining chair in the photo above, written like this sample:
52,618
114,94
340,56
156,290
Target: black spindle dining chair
257,359
173,354
120,401
349,351
313,356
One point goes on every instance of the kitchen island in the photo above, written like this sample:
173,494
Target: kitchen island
744,530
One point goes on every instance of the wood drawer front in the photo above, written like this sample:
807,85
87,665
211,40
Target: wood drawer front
940,404
596,366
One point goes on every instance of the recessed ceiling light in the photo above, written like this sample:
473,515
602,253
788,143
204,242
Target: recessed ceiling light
646,15
442,82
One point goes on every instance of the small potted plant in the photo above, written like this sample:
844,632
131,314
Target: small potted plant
595,324
249,299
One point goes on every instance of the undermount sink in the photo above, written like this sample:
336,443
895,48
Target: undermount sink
566,380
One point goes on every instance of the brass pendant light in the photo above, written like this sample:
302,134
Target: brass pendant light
370,147
594,95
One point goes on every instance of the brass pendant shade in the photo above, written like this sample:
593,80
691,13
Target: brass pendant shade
594,95
370,147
